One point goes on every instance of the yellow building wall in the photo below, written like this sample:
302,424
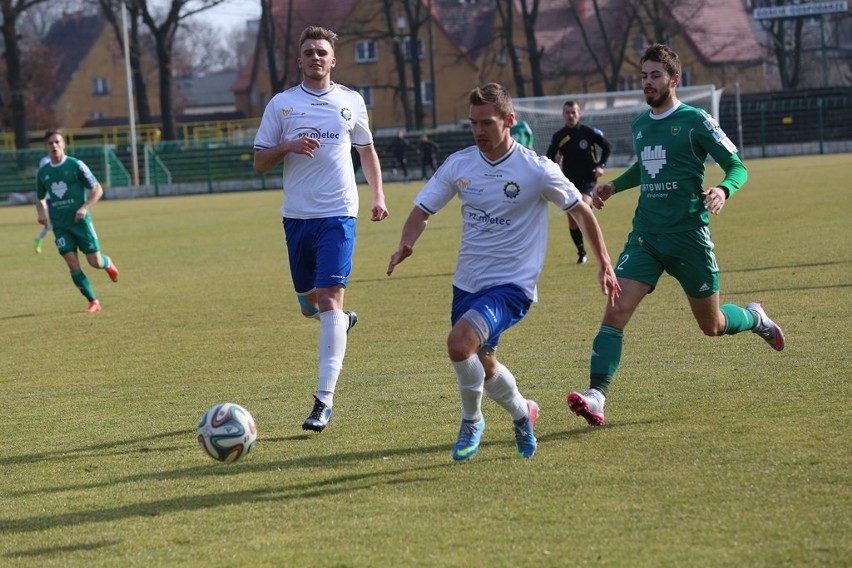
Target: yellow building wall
79,102
455,73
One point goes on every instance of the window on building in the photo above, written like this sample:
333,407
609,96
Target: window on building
366,52
406,48
426,92
367,93
100,86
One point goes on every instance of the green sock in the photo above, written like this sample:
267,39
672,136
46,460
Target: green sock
83,284
737,319
606,356
107,261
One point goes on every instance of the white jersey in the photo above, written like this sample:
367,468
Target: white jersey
322,186
504,214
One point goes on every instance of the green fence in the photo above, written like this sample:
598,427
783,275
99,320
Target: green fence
208,164
18,168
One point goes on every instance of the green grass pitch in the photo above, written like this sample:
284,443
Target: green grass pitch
716,452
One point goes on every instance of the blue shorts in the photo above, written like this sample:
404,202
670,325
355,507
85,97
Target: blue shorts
320,251
499,308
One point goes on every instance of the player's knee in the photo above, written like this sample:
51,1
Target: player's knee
712,328
458,351
307,308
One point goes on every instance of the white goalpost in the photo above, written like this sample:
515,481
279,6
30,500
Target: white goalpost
612,113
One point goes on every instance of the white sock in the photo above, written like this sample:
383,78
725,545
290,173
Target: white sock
503,389
332,348
470,375
326,397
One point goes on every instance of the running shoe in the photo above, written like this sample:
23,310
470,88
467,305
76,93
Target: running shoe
766,328
470,434
524,435
353,319
319,417
94,306
112,271
588,406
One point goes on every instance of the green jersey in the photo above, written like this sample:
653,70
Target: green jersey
672,149
68,185
522,132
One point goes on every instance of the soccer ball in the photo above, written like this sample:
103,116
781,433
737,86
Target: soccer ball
227,432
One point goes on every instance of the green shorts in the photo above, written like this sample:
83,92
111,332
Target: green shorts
80,235
687,255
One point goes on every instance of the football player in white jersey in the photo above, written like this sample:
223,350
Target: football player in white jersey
504,190
311,128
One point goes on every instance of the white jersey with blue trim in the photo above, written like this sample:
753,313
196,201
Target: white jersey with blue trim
323,185
504,214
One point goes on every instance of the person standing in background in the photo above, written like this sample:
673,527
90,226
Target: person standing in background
574,147
398,147
428,150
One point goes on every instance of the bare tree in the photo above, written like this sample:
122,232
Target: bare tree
164,33
529,16
785,46
416,17
606,37
11,11
279,75
204,50
506,11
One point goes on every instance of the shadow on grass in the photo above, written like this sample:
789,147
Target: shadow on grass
298,491
51,550
337,485
95,450
785,266
18,316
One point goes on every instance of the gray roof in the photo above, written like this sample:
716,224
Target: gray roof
207,91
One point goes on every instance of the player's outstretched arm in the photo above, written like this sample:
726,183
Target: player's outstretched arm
601,193
411,231
593,236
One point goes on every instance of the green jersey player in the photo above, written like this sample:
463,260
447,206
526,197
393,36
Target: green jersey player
670,226
72,189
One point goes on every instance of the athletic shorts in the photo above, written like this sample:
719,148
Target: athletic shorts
498,309
80,236
586,188
687,255
320,251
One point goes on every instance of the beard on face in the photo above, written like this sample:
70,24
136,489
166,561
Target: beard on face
657,99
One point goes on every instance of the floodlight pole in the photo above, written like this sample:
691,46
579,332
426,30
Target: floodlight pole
131,109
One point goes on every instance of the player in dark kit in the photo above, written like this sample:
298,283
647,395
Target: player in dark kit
575,148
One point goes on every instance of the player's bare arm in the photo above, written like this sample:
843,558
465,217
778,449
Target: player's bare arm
95,195
266,158
587,223
601,193
41,211
373,174
714,199
411,231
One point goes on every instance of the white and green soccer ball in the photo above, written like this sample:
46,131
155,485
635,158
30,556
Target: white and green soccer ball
227,432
